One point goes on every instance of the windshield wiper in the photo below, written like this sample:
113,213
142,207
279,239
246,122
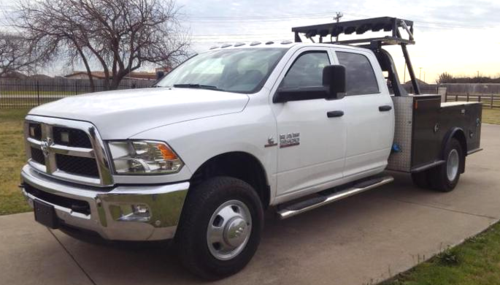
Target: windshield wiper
200,86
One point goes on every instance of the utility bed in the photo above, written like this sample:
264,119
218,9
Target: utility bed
423,124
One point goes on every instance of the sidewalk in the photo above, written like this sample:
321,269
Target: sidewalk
362,239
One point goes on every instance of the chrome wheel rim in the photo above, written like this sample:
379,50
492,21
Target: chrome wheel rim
229,230
452,165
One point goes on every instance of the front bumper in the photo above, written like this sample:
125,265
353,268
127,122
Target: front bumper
105,214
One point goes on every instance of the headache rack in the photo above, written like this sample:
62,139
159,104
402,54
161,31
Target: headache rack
396,27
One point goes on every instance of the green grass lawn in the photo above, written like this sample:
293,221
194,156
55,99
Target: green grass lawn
491,116
476,261
12,158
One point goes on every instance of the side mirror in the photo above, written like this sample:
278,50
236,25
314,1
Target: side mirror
334,80
160,74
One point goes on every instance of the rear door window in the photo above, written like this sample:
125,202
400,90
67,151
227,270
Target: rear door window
360,77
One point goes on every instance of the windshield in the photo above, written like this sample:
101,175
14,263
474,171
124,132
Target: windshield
233,70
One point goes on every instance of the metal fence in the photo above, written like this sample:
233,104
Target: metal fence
27,93
31,93
488,94
489,100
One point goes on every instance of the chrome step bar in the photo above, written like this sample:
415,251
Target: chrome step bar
321,200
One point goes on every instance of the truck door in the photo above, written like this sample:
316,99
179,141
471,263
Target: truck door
369,114
311,143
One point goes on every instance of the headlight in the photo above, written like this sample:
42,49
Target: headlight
144,157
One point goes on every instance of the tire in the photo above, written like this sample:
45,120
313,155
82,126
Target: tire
440,178
421,179
233,200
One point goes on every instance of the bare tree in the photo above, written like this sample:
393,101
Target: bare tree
15,54
444,77
119,36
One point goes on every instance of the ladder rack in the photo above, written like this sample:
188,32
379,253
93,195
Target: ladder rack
386,24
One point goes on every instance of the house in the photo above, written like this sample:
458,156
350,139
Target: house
40,77
14,75
420,82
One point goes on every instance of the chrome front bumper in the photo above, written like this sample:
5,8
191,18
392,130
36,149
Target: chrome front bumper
164,203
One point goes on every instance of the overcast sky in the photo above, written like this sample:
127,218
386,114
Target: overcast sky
460,37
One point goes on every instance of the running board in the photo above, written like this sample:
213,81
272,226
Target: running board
321,200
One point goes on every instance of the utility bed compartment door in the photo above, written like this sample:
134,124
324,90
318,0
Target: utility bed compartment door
426,130
417,136
466,116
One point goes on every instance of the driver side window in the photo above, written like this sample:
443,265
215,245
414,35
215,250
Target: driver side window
307,70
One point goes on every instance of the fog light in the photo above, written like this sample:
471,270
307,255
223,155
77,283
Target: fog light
132,213
65,137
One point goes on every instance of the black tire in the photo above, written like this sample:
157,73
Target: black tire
438,176
191,236
421,179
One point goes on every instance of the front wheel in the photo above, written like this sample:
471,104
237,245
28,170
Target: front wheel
220,228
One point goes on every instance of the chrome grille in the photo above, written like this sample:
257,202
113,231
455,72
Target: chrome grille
67,150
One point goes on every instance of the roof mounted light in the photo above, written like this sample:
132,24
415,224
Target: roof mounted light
255,43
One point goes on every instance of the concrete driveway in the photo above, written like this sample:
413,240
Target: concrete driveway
360,240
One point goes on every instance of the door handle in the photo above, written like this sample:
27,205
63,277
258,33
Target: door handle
385,108
335,114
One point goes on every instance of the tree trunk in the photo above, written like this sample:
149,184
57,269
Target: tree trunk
89,72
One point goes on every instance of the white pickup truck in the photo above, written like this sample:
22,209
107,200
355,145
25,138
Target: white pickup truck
232,132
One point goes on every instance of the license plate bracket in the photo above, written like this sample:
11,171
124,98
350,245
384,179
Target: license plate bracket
45,214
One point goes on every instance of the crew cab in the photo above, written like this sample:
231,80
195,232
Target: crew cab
288,126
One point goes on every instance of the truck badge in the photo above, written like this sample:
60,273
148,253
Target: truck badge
45,147
270,142
290,139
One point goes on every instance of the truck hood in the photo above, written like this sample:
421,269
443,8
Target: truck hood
123,113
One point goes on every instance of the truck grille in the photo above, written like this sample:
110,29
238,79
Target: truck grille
77,165
35,131
67,150
71,137
37,155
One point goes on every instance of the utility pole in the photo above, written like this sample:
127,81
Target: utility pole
420,74
337,18
424,76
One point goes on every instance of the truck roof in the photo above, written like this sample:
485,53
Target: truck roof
274,44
